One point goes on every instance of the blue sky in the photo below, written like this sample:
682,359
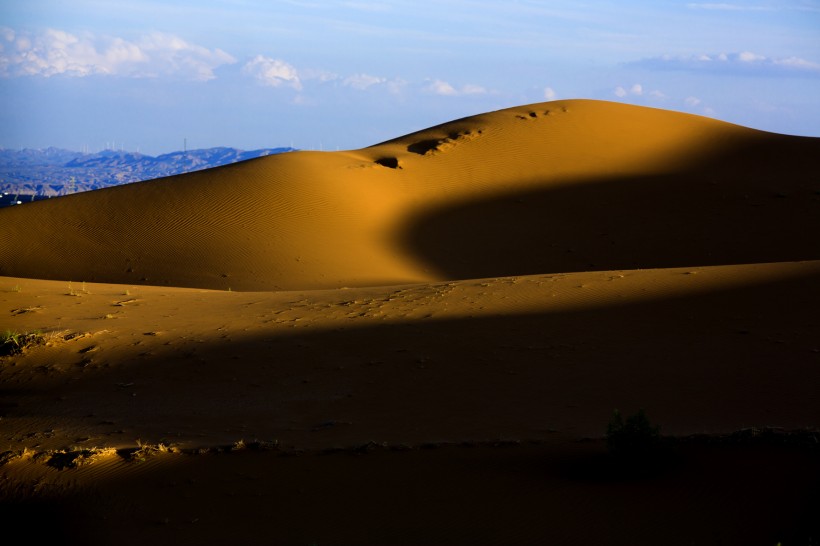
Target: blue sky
346,74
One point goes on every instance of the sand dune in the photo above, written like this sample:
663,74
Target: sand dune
422,342
561,186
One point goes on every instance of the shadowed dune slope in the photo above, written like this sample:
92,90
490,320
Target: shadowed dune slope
559,186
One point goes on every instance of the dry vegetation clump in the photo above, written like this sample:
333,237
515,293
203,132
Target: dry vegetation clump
9,456
63,459
12,343
143,452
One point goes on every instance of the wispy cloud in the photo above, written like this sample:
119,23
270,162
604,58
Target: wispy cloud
56,52
635,90
322,76
363,81
441,87
638,93
471,89
728,7
742,63
272,72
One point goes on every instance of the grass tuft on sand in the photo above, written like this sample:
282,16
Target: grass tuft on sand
12,343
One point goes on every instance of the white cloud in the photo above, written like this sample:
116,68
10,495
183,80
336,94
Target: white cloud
56,52
549,93
639,94
363,81
797,64
691,101
749,57
272,72
744,62
442,88
636,89
175,55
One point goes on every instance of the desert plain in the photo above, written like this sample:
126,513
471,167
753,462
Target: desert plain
424,341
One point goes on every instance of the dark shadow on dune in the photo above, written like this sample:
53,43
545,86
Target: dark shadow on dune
757,201
739,357
453,495
45,517
424,146
389,162
742,357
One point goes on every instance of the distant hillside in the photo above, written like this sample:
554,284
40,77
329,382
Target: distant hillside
53,171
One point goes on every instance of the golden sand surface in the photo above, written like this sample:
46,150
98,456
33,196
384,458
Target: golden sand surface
422,342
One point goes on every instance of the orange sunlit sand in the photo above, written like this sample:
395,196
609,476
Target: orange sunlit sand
503,281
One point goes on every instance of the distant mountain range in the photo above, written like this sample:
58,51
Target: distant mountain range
54,171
